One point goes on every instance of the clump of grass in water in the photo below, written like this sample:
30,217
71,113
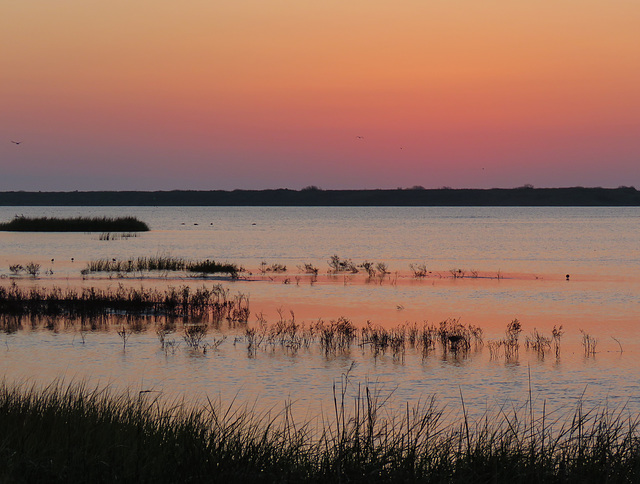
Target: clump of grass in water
116,236
589,344
212,267
336,264
163,264
20,223
556,334
538,343
215,302
419,270
76,434
275,267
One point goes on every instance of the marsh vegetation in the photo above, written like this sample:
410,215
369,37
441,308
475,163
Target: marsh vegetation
80,434
20,223
163,263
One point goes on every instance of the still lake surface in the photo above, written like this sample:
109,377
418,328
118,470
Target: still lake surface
514,261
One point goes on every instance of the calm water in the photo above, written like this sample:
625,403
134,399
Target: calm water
531,248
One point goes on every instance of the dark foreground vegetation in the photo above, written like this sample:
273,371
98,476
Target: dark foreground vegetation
76,224
76,434
313,196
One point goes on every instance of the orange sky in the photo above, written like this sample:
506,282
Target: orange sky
253,94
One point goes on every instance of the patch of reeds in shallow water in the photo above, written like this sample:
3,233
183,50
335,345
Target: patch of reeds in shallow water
75,224
77,434
163,264
88,302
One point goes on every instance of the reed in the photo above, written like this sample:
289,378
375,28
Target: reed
308,268
33,269
419,270
216,303
538,343
275,267
20,223
589,344
336,264
163,263
77,434
116,236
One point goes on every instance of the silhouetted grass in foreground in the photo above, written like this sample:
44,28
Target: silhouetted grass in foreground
76,434
76,224
163,264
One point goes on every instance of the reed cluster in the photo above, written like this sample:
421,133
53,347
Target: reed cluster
341,335
215,302
20,223
77,434
163,263
117,235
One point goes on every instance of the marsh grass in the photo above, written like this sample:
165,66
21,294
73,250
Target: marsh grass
538,343
20,223
116,235
77,434
589,344
215,303
163,263
308,268
419,270
341,335
275,267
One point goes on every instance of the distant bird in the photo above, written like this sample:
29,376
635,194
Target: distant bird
567,276
359,137
16,142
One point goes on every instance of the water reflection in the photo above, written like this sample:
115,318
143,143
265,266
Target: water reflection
302,361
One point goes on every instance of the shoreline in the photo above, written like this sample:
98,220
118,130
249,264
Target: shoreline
418,197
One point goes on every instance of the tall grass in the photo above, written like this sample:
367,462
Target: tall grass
78,434
77,224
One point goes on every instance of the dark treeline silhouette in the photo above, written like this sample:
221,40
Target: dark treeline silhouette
312,196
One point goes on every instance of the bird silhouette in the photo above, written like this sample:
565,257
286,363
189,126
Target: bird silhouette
16,142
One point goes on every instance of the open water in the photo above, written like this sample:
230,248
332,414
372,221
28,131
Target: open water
510,262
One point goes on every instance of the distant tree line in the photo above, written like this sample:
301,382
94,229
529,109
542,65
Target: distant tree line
418,196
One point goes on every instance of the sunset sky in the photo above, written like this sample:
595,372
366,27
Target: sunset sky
224,94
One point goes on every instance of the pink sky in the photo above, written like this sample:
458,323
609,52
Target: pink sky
252,94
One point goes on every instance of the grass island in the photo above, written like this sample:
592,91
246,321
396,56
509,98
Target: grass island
20,223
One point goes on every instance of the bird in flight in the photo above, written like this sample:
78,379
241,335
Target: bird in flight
359,137
16,142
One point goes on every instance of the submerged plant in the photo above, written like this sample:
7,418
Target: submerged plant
589,344
538,343
32,269
124,333
337,264
16,269
556,334
308,269
419,270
